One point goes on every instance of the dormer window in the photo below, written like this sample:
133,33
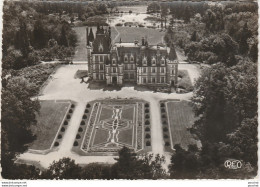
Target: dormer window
144,61
153,61
100,48
125,58
113,61
131,58
163,61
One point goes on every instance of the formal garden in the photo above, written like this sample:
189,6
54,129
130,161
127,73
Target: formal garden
110,124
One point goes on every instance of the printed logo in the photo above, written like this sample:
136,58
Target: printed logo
233,164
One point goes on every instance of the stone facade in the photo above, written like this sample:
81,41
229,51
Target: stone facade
119,63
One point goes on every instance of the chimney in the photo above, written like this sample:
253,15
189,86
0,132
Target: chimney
120,41
136,42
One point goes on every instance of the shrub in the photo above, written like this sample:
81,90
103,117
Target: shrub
165,136
82,123
68,116
165,129
80,129
146,105
88,105
56,144
72,106
86,111
167,144
84,116
70,111
147,136
59,136
147,129
146,111
65,123
147,122
162,105
75,143
78,136
62,129
147,116
148,143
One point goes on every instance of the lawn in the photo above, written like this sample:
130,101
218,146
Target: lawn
49,120
129,34
180,117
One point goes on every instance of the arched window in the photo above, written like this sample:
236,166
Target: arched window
131,58
126,58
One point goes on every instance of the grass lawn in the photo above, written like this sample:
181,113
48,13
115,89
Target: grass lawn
129,34
48,122
181,117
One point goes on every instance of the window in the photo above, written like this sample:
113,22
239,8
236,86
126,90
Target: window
162,70
145,61
113,61
153,80
153,61
114,70
172,71
144,70
101,77
162,79
153,70
95,58
126,67
101,59
126,58
132,66
126,76
144,80
163,61
132,75
100,48
101,67
132,58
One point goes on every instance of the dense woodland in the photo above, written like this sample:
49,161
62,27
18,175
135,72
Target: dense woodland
224,99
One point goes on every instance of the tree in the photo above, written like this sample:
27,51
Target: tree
63,36
18,115
153,8
65,168
184,164
39,35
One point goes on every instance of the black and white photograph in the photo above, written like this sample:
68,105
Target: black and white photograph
129,89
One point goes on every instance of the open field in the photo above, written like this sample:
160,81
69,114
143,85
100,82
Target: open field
111,124
179,117
129,34
48,122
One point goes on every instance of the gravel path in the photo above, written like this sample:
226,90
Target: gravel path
64,87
